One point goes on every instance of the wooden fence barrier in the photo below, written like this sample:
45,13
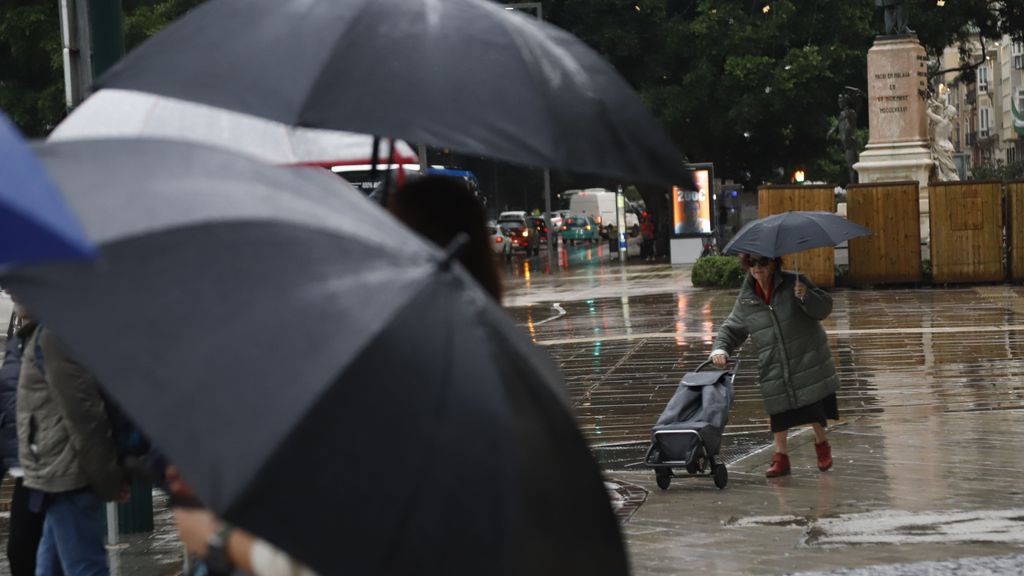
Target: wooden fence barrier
966,231
1015,221
819,265
892,254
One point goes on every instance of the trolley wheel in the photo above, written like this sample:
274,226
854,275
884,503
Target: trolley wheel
721,476
663,478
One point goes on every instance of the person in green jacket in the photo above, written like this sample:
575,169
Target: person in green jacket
781,312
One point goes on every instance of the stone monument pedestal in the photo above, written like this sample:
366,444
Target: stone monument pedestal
898,148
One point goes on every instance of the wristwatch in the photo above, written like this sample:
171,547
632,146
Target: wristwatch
217,561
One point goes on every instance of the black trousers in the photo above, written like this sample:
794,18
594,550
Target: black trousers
647,248
26,529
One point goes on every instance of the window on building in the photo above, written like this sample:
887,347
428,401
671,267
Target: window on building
983,78
1018,55
984,121
1011,155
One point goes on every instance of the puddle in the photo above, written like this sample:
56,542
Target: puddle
899,527
784,520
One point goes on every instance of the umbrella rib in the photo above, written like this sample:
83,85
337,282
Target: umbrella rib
554,118
339,41
775,243
818,223
407,510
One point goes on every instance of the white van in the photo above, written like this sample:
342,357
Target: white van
599,204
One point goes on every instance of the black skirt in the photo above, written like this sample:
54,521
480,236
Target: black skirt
819,412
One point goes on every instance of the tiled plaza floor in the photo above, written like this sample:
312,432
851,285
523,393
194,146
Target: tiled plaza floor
927,453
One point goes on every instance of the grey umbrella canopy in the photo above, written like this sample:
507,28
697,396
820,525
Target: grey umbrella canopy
319,374
461,74
793,231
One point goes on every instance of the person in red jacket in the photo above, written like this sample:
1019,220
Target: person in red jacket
647,234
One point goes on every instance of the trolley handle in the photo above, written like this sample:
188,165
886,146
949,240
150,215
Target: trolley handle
735,365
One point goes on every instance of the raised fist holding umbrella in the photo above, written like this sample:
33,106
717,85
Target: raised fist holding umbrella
781,311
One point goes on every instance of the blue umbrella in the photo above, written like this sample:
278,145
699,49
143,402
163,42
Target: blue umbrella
35,224
793,231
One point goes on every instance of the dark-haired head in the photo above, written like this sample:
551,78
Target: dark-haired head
747,261
439,208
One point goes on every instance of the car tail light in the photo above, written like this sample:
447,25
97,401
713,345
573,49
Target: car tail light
565,227
498,240
598,219
526,233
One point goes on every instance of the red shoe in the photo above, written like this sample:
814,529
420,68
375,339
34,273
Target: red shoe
824,455
779,467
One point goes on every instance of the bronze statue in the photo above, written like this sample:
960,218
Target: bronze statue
846,130
895,16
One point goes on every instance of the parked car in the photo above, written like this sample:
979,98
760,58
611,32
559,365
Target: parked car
599,204
520,230
578,228
501,243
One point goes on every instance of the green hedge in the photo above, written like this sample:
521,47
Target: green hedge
718,271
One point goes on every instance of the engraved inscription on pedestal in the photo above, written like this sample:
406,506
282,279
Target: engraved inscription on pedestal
897,73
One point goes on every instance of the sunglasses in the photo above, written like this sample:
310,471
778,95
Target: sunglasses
762,261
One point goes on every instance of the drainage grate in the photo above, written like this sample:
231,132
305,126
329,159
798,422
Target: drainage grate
626,498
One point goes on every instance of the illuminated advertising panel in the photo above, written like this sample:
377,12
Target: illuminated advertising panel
691,209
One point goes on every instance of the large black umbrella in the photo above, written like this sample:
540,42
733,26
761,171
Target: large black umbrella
793,231
321,375
461,74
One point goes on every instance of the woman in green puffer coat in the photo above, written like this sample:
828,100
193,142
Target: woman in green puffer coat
781,312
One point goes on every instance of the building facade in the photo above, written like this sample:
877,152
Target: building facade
990,125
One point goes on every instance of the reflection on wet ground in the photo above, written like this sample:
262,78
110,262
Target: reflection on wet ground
898,352
932,401
158,553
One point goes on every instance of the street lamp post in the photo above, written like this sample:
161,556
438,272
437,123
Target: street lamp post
92,40
552,253
76,50
620,223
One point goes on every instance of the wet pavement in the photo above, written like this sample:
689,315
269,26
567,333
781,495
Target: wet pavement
927,453
975,566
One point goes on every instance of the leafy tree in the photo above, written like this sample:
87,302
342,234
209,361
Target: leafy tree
998,171
144,18
751,86
960,23
31,65
31,79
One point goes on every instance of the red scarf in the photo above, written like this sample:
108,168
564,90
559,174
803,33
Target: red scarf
765,295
